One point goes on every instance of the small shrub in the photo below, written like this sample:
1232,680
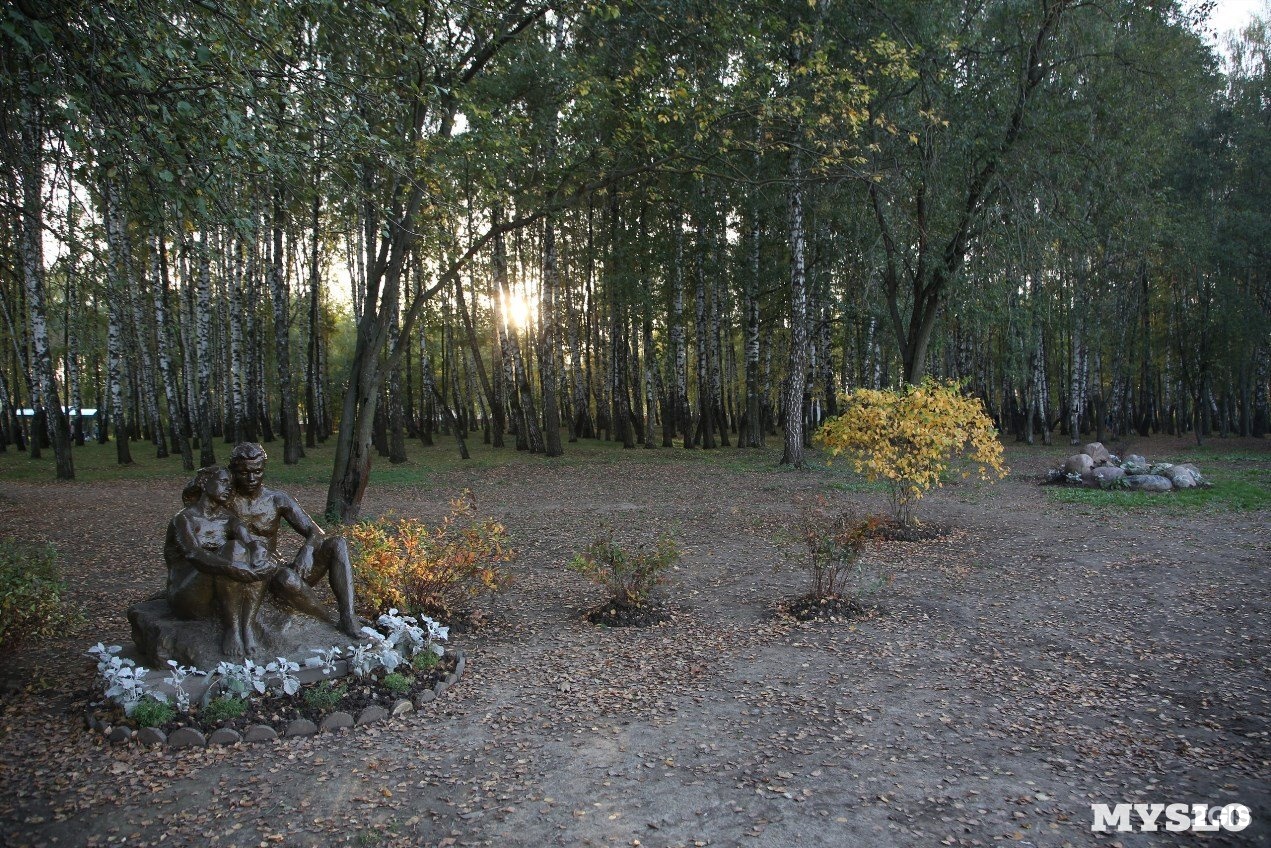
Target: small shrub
405,564
908,437
223,709
629,576
398,684
30,593
831,549
325,695
152,713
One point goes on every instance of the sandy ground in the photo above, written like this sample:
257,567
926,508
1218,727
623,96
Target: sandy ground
1043,657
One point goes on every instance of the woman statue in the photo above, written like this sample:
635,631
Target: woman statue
215,568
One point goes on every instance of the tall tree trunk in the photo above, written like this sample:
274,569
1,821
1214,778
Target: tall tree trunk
1077,376
178,417
753,437
33,279
715,362
115,321
430,388
146,377
203,332
281,296
527,420
185,331
498,424
315,426
548,350
797,372
651,378
579,422
75,398
241,271
679,345
705,400
396,416
261,425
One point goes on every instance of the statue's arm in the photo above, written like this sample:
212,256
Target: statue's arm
205,560
299,520
263,562
305,526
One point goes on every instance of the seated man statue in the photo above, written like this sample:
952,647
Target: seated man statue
261,511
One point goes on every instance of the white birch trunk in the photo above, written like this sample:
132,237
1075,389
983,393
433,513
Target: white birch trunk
797,379
203,344
32,248
115,322
165,346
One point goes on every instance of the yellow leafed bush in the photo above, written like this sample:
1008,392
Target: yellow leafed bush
437,571
909,436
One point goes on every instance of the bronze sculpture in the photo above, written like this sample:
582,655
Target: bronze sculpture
222,557
263,511
214,566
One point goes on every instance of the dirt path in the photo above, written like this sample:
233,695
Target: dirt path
1044,657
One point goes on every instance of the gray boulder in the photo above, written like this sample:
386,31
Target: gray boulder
1135,464
1079,464
1148,483
1097,452
1182,477
1107,476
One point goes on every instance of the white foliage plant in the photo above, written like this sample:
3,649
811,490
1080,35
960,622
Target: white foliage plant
402,637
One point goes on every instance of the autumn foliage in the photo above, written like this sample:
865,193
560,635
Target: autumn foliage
438,571
909,436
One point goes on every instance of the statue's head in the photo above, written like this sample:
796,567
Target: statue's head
212,480
247,467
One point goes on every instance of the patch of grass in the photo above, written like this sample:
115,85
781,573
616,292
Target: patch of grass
95,463
324,695
1215,453
152,713
436,465
424,660
859,485
1240,491
223,709
398,684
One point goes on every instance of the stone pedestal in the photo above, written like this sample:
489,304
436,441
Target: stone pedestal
160,636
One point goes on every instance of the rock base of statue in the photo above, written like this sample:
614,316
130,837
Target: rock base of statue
160,636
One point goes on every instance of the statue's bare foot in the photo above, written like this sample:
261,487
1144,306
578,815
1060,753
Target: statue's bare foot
232,645
351,626
250,644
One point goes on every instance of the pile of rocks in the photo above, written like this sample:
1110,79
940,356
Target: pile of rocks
1097,468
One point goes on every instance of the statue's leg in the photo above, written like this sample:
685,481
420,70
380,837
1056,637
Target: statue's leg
229,603
294,592
331,560
253,594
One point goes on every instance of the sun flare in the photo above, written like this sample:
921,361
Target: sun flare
517,311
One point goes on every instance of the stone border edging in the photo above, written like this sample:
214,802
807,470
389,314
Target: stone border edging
188,737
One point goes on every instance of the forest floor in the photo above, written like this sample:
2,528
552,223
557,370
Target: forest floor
1055,650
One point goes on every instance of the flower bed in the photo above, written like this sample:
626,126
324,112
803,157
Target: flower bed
389,675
